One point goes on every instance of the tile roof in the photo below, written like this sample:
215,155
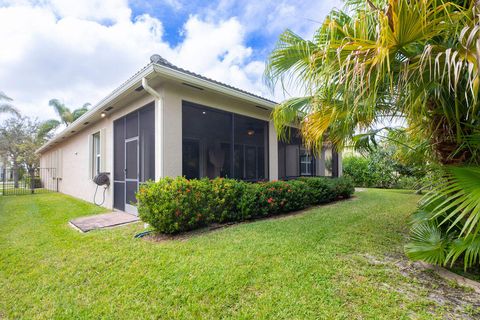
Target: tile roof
159,60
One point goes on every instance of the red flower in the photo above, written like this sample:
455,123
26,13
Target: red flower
270,200
188,190
178,213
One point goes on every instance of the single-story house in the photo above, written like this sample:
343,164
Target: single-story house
167,121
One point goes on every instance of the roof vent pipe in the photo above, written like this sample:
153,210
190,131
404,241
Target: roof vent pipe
156,58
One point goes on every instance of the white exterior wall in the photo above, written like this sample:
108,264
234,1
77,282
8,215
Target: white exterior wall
75,154
75,177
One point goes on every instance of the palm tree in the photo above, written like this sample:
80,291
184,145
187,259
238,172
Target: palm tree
5,106
379,60
390,58
66,115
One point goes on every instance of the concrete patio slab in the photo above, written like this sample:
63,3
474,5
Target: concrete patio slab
101,221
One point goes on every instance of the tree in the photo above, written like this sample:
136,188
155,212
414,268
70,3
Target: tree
20,137
381,60
387,59
5,106
66,115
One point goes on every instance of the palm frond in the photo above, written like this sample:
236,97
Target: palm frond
460,191
468,247
77,113
3,96
63,112
45,128
427,243
289,113
7,108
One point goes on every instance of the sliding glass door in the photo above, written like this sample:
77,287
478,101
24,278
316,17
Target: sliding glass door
222,144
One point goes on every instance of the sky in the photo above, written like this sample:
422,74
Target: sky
79,51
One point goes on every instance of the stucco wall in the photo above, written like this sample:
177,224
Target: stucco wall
76,177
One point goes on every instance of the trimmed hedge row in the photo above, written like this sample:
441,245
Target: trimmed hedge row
174,205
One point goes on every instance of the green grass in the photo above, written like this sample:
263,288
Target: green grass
312,265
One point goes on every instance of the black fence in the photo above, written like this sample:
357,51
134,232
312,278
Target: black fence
23,181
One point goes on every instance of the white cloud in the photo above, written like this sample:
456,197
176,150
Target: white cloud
274,16
79,60
78,51
69,58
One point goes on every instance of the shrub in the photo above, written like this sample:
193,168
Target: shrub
37,182
223,201
343,187
322,189
176,205
359,170
270,198
406,182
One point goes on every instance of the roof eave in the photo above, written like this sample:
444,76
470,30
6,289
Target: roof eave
99,107
93,113
208,84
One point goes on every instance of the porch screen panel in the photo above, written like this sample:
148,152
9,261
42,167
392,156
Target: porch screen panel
119,164
207,142
223,144
250,148
131,122
147,143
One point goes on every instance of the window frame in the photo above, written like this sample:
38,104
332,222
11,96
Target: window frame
96,159
308,164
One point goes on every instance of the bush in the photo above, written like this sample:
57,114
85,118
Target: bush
410,183
223,201
37,182
359,170
176,205
322,189
343,187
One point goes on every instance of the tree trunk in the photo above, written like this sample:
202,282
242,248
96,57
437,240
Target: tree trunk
448,149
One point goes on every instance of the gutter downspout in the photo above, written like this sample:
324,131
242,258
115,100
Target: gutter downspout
159,124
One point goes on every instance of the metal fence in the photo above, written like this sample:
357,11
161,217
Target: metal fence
22,181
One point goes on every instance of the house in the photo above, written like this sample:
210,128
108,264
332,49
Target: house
167,121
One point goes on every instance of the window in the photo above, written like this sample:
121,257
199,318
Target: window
96,154
306,165
223,144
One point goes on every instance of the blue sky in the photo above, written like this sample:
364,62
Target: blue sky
78,51
307,15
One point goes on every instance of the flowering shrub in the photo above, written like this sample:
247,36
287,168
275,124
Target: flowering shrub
173,205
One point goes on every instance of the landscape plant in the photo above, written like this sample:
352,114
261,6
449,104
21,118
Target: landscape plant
380,62
173,205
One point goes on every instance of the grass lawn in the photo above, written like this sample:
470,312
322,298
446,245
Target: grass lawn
343,260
